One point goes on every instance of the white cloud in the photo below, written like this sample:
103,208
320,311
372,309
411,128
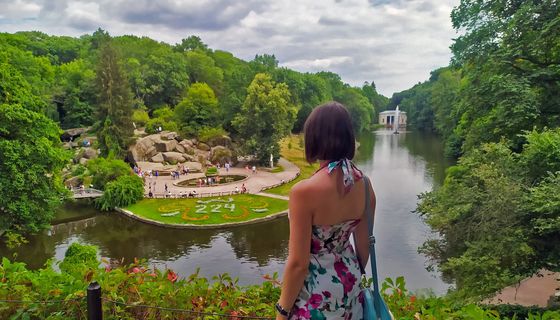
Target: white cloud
395,43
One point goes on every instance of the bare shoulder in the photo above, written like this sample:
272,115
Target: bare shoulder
303,188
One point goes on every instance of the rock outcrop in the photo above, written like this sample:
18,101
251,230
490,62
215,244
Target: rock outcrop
167,147
173,157
157,158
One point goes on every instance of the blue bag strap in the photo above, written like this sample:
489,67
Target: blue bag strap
371,238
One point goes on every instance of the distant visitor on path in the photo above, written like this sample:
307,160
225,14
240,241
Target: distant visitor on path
322,275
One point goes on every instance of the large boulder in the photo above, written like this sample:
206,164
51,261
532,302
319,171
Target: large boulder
179,148
173,157
144,148
157,158
166,146
203,146
89,153
187,143
220,154
219,141
72,134
193,165
165,135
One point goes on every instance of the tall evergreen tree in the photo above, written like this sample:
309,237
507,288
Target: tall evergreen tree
114,114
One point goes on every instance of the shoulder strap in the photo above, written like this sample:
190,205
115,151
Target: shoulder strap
371,237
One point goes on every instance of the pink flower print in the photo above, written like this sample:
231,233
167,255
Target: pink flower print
346,278
315,246
327,294
301,313
315,300
348,282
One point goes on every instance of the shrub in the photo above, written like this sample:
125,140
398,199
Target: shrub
153,125
212,171
206,134
136,284
78,255
140,117
124,191
541,154
106,170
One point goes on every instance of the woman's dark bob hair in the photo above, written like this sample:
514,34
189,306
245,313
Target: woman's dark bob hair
329,134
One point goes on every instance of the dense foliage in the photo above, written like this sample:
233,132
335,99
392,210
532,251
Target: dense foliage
499,217
105,170
122,192
202,87
31,158
126,288
497,108
504,76
114,112
265,117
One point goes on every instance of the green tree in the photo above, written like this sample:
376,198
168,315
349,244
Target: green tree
202,68
315,92
361,110
157,74
265,117
106,170
114,113
31,159
198,109
192,43
122,192
377,100
74,94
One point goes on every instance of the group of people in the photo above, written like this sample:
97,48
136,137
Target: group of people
243,189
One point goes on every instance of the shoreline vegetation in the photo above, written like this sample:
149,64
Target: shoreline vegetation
496,107
50,294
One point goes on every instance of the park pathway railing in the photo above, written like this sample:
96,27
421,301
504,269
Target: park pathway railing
95,299
79,193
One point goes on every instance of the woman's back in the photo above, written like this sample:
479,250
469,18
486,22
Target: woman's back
322,275
331,288
329,203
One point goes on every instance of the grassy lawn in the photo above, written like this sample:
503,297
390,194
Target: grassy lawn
213,210
291,148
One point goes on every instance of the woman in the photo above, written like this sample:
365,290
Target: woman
322,275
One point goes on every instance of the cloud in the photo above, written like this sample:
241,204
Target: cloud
202,15
395,43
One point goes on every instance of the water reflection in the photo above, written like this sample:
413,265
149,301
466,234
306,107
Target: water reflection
401,167
400,170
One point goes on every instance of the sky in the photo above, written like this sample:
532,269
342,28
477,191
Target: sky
395,43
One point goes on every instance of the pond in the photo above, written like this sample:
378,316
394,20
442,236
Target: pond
401,167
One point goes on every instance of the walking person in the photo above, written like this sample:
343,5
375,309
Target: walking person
323,271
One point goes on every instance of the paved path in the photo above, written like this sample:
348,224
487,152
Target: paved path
254,183
272,195
535,290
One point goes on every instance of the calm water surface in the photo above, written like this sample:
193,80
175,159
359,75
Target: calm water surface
401,167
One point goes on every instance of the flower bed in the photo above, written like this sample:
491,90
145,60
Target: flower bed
208,211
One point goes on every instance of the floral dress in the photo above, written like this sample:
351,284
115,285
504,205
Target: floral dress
331,289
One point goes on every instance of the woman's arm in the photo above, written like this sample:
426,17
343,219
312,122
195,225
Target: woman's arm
362,234
296,268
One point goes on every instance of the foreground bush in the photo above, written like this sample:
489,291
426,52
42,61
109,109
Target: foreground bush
126,289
